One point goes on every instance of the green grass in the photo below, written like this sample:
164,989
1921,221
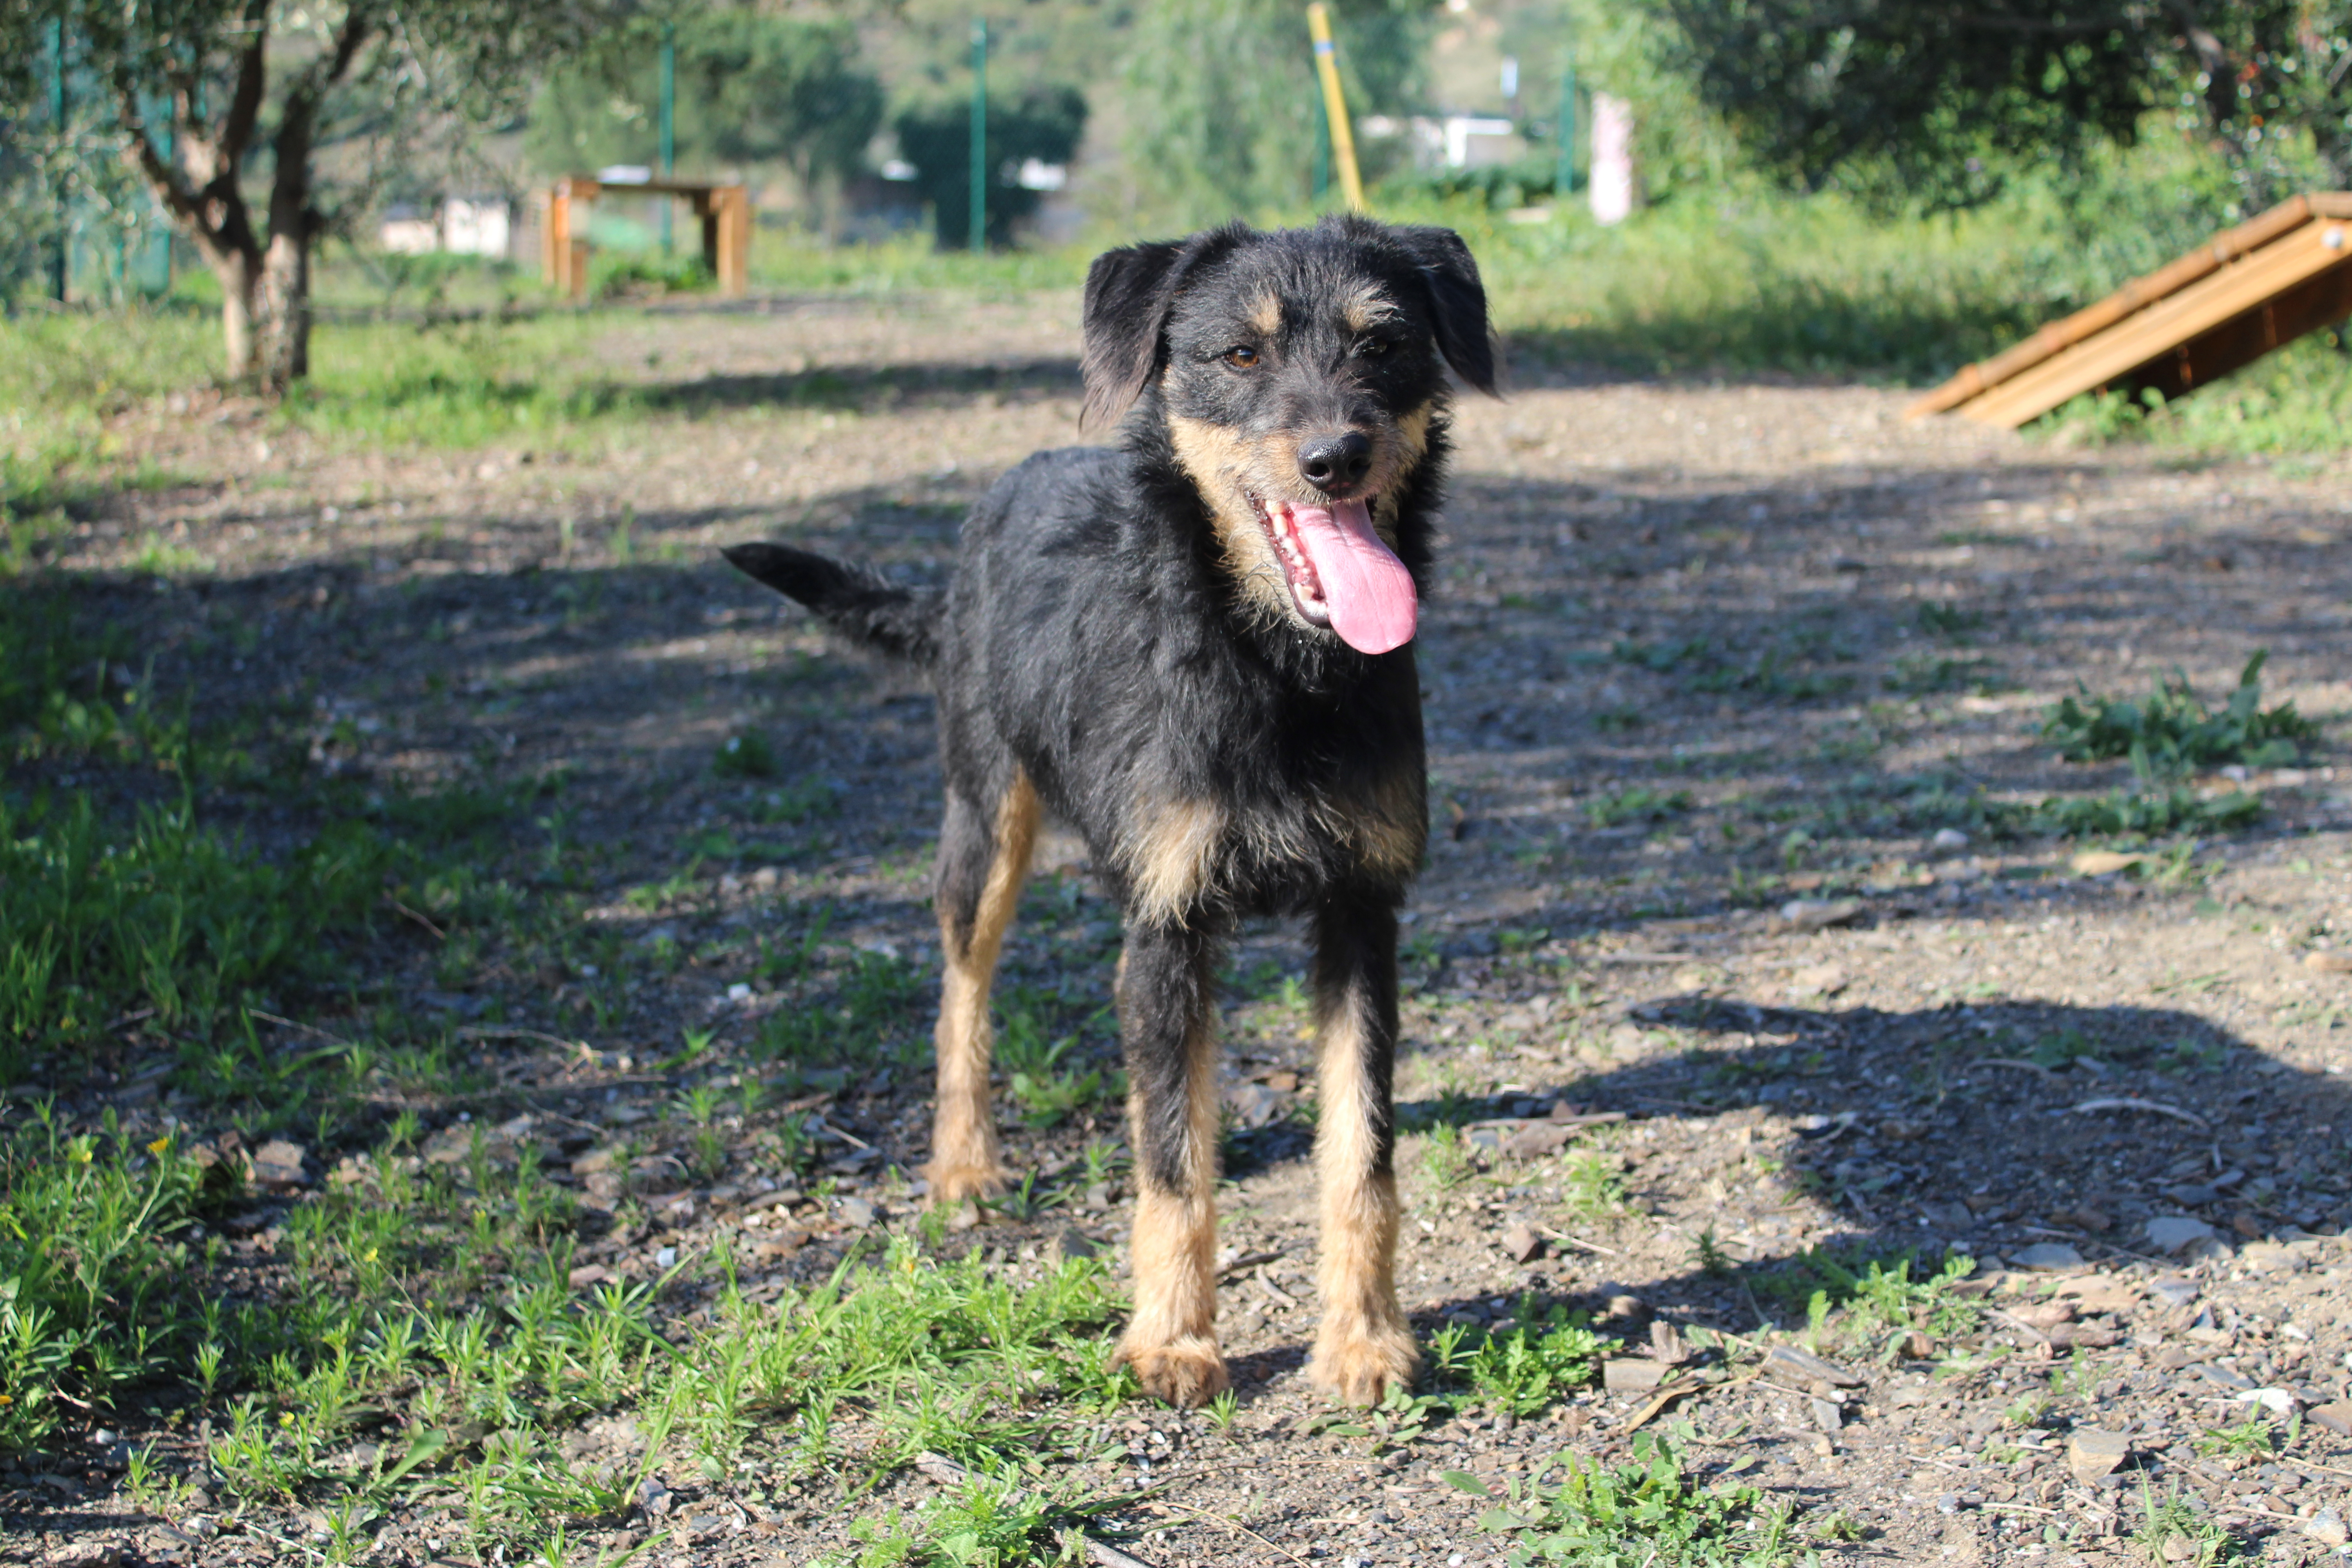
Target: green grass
2174,731
425,1309
99,919
90,1264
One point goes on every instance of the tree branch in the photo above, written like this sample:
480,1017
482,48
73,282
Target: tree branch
162,178
244,102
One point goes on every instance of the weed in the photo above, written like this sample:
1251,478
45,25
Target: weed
91,1274
2251,1438
1709,1257
1047,1092
2136,816
1445,1157
1949,622
2173,1532
1636,804
1841,1527
1541,1356
1882,1299
1923,673
1222,1412
746,756
799,801
2174,732
1645,1514
1591,1187
2027,1410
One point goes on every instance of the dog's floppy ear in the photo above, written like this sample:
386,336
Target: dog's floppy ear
1129,292
1457,302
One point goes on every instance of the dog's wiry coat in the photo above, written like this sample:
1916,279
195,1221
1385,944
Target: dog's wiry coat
1159,642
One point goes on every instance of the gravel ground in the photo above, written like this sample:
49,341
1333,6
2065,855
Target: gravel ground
1710,663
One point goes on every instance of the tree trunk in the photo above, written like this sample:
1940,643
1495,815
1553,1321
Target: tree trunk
282,334
239,275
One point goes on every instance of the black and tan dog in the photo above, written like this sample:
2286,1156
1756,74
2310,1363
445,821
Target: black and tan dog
1196,648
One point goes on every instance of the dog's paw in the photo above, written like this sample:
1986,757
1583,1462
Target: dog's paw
1357,1363
951,1185
1188,1373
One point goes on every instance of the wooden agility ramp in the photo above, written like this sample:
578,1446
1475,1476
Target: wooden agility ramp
2225,304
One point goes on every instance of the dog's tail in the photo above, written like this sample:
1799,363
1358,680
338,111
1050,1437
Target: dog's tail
863,605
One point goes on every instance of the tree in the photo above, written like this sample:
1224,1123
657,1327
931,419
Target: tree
1222,99
1928,103
200,92
750,88
1042,123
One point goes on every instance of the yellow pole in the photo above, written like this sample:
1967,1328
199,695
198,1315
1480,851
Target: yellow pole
1335,105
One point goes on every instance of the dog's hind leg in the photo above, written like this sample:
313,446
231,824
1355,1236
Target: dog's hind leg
1365,1344
1167,1017
983,857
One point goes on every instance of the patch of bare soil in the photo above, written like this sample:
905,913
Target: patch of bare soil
1723,954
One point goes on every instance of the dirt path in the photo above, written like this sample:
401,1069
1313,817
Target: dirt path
1701,652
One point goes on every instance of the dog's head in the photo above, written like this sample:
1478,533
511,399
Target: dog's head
1300,374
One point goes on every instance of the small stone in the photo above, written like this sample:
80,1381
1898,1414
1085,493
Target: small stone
1949,838
2336,1418
2173,1290
1074,1243
1828,1415
1522,1242
2328,963
855,1212
2229,1377
1820,915
2103,862
1633,1374
2326,1527
594,1160
1535,1141
965,1216
2046,1257
278,1163
2091,1453
1818,980
1917,1346
2173,1233
1254,1105
1806,1364
588,1274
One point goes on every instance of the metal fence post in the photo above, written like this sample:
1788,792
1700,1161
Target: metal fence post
669,122
979,134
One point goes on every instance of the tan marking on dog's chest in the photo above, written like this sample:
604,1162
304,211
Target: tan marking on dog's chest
1173,849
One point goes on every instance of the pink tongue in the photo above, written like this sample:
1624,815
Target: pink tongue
1368,590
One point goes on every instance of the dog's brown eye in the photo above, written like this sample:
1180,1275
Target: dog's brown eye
1241,358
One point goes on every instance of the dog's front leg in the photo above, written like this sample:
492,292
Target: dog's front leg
1166,1015
1365,1344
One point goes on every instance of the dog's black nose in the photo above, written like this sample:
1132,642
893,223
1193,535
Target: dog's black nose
1331,462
